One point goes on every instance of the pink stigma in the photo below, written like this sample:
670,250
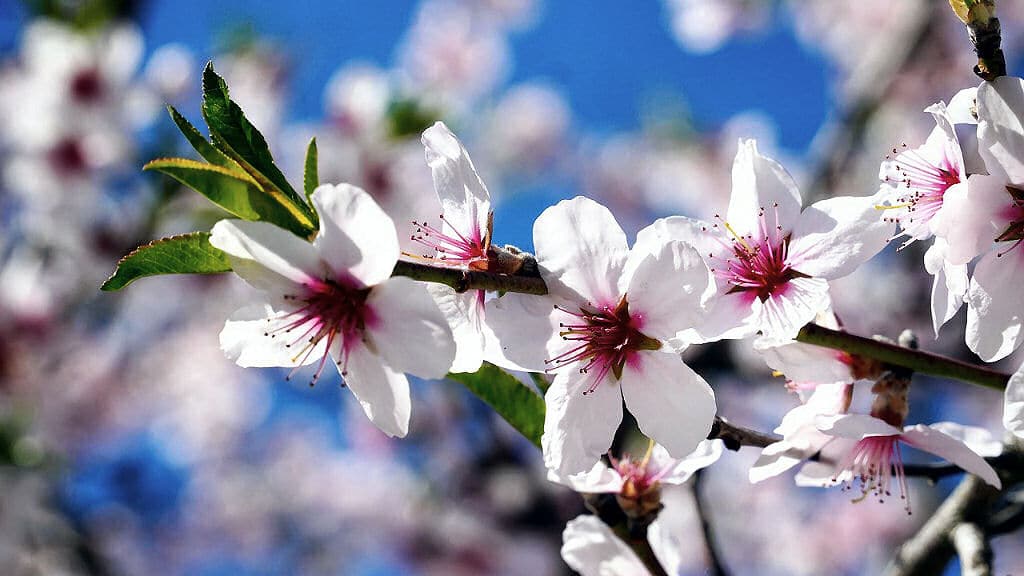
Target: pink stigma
604,340
455,248
638,476
923,184
331,312
874,462
755,265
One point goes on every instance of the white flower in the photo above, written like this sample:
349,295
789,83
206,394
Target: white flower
773,262
334,298
867,450
995,314
462,240
611,330
591,548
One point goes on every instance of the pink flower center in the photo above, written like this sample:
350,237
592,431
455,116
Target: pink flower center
638,476
454,248
331,312
67,157
756,266
603,340
874,462
923,184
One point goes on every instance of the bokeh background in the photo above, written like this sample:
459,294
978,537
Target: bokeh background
129,445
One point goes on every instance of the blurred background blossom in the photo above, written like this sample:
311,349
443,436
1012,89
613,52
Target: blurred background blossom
129,445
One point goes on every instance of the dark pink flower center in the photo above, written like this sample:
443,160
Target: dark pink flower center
923,184
875,462
67,157
604,340
87,86
328,312
754,265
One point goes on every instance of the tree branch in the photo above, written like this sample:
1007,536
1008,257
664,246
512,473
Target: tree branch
736,437
973,549
463,280
892,354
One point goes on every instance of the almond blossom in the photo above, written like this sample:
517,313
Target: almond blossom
591,548
772,262
611,330
333,299
463,239
868,450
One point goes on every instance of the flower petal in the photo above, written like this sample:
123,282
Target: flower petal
382,391
679,471
948,286
966,218
1013,404
281,258
591,548
855,426
1000,130
521,332
668,290
761,185
954,451
356,237
581,250
245,340
785,312
805,362
578,428
728,317
962,109
464,198
408,329
779,457
672,404
464,313
599,479
835,236
995,305
979,440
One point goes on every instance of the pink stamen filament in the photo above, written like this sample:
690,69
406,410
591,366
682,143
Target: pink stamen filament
756,265
328,311
874,462
926,183
453,248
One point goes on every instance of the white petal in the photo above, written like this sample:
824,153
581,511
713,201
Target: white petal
1013,404
356,237
952,450
979,440
966,218
408,330
599,479
949,285
672,404
464,313
521,332
275,250
591,548
578,428
464,198
728,317
815,475
667,290
581,250
962,109
707,453
996,305
245,340
778,458
855,426
945,137
1000,130
758,182
382,391
665,546
835,236
805,362
787,311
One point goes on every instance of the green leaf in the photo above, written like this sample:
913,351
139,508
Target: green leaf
310,175
183,254
208,151
235,136
514,401
407,117
238,193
